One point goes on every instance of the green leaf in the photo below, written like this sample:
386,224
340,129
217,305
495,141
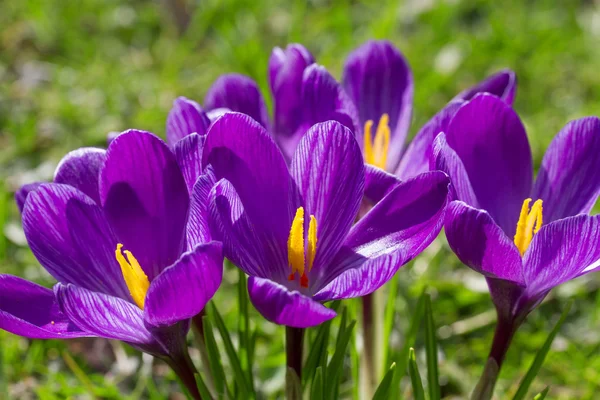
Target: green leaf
540,357
316,390
245,350
318,351
542,396
383,390
214,358
415,377
334,369
202,388
239,375
431,352
388,322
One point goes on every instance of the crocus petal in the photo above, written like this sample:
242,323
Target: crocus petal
30,310
22,193
81,169
103,315
198,228
445,159
238,93
185,117
481,244
188,152
378,183
569,179
323,99
379,81
284,307
561,251
490,139
286,68
145,199
403,224
241,151
502,84
329,172
183,289
416,159
70,237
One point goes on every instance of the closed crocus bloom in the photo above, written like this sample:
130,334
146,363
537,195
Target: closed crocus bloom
291,228
524,237
133,259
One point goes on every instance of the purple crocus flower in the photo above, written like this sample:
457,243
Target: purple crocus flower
379,81
524,237
291,229
134,260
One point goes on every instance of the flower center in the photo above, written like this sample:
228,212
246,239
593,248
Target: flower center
376,150
296,259
530,222
135,278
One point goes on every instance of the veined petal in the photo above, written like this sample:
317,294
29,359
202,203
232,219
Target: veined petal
30,310
186,117
489,138
379,81
417,156
22,193
569,179
329,172
198,227
81,169
284,307
481,244
561,251
188,152
183,289
69,235
145,199
502,84
238,93
378,183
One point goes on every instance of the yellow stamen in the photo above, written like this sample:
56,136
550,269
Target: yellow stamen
530,222
135,278
312,241
296,244
376,150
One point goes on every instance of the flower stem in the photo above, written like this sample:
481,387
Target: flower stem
505,330
294,341
371,361
183,366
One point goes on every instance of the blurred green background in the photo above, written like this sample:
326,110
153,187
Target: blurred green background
72,71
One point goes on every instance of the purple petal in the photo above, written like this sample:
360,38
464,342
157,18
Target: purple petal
379,81
416,159
286,69
561,251
401,225
253,250
502,84
284,307
30,310
445,159
81,169
198,227
145,199
329,172
103,315
183,289
489,138
22,193
241,151
323,99
186,117
69,235
378,183
569,179
238,93
188,152
481,244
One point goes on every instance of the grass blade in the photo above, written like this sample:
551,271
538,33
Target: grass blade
214,358
245,349
316,390
415,377
542,395
540,357
334,369
383,390
431,352
202,388
388,322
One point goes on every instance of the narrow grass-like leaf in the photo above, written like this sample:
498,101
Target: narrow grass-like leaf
202,388
318,348
316,390
334,369
214,359
540,357
388,322
542,395
431,352
239,375
383,390
245,353
293,387
415,377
